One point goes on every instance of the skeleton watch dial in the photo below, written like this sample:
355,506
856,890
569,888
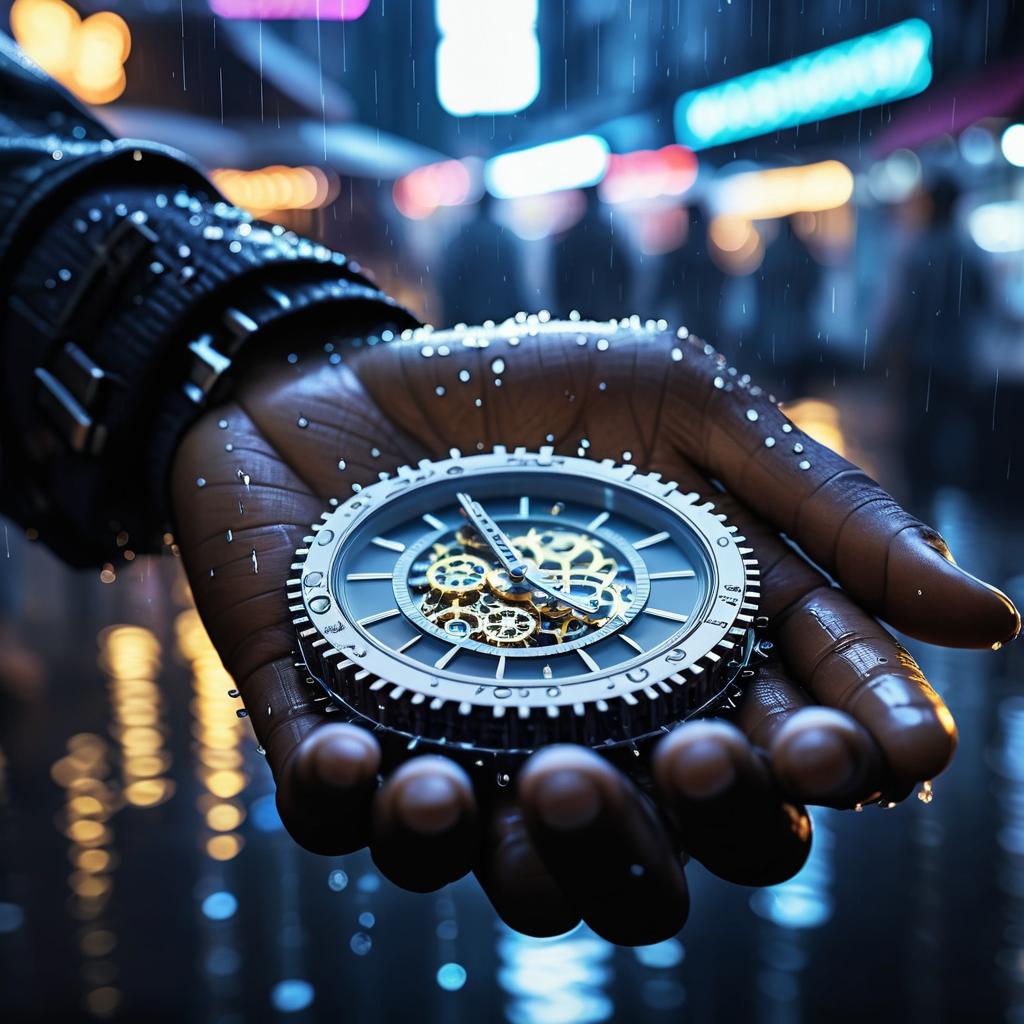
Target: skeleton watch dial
493,603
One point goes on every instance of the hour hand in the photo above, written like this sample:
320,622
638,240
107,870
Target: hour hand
494,537
510,559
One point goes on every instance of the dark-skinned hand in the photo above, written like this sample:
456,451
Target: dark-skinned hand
842,715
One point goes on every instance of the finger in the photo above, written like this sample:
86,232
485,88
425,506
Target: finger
601,841
425,831
817,755
849,662
326,787
886,559
729,814
517,882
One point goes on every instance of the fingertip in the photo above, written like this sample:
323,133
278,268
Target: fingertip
932,598
701,760
565,786
430,795
339,755
919,742
822,755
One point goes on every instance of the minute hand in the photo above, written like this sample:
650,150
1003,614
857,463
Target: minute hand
511,561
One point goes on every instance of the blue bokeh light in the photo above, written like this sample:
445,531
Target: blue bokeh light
451,977
219,906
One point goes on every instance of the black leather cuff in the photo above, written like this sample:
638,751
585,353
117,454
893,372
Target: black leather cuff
123,319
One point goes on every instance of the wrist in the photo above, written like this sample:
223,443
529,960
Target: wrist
124,321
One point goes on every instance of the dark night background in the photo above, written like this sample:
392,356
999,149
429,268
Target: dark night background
144,874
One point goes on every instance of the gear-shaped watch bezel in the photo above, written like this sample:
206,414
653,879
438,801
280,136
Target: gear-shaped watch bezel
681,677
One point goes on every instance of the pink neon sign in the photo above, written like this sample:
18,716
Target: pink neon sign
291,10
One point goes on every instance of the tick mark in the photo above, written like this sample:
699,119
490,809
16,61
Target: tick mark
632,643
589,661
446,657
655,538
379,617
598,521
357,577
499,672
433,521
674,574
660,613
391,545
524,506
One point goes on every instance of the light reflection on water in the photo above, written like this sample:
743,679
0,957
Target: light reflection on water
555,981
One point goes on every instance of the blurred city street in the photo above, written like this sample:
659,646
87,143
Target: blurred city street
848,230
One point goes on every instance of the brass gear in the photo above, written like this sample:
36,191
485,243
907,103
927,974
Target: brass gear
508,626
457,574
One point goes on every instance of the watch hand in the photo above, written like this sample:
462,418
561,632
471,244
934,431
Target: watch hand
511,561
494,537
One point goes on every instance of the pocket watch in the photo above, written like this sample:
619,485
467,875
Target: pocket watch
483,606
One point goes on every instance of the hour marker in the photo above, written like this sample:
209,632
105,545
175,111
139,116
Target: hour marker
356,577
662,614
589,661
655,538
547,673
632,643
408,643
433,521
499,672
391,545
446,657
379,617
598,521
674,574
524,506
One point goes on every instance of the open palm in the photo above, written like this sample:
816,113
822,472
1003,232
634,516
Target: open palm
842,715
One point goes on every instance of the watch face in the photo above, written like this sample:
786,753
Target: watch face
494,603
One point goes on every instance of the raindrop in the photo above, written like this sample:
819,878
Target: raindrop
769,442
342,464
223,424
602,345
229,447
230,536
244,477
464,376
719,383
255,562
200,481
361,943
439,391
375,453
337,880
798,447
367,920
497,366
804,464
752,415
302,422
627,456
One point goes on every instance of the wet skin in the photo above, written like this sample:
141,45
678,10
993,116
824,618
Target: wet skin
841,714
